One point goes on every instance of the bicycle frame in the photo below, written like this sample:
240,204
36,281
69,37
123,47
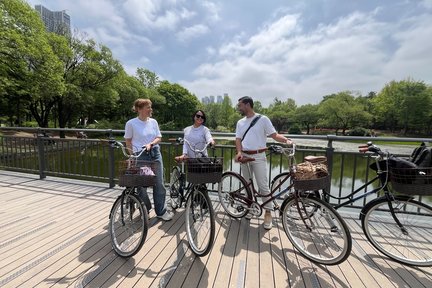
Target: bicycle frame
250,186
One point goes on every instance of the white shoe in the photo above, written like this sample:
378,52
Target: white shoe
166,216
268,220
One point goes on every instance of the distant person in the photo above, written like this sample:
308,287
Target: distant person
144,131
254,145
196,134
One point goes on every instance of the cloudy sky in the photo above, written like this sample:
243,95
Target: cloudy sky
299,49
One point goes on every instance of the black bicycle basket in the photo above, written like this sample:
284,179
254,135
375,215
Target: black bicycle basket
204,170
411,181
137,173
312,184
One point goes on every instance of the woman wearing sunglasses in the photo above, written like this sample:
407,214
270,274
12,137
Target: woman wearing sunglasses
197,135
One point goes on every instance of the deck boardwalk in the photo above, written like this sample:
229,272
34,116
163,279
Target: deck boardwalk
53,232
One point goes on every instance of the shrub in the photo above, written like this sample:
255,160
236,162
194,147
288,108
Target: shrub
30,124
294,130
358,131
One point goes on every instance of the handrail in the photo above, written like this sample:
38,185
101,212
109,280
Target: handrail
90,159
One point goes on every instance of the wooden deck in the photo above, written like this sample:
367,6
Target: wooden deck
53,232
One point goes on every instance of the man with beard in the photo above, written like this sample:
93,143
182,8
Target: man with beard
251,142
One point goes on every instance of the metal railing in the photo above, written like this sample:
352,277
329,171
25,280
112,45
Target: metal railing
41,152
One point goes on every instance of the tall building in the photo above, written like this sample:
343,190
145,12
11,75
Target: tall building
55,21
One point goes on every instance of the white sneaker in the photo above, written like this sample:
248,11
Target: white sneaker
268,220
166,216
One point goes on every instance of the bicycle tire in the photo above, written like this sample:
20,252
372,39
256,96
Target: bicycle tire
176,197
200,222
129,232
323,236
412,247
232,182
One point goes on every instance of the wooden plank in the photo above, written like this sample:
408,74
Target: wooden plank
76,249
280,270
198,274
253,256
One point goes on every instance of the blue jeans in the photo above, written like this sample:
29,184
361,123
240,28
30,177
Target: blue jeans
159,191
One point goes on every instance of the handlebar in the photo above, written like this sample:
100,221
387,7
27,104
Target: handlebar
288,151
370,147
181,140
118,144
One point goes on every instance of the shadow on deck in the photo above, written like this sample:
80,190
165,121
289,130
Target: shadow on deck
53,232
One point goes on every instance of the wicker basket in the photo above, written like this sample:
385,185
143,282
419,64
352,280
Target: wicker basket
137,173
204,170
312,184
412,181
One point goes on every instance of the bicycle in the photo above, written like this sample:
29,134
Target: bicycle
396,225
129,221
314,228
200,218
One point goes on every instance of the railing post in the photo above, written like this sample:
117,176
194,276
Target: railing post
329,155
41,154
111,162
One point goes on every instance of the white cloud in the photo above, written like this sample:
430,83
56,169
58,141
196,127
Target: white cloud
188,33
281,61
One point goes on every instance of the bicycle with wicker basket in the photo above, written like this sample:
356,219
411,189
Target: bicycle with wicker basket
395,223
128,225
188,185
314,228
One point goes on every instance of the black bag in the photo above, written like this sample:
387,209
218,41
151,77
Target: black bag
422,156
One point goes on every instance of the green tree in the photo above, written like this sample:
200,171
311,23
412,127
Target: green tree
308,116
180,104
29,69
404,105
343,111
281,113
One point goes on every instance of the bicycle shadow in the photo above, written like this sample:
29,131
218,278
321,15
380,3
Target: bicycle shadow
250,235
399,274
97,253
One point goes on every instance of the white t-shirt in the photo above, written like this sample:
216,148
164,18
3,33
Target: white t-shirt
197,137
256,137
141,132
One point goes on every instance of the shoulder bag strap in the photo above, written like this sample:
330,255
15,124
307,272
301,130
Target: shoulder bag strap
251,125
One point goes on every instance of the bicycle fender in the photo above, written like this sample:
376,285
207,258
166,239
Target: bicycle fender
284,203
371,203
112,208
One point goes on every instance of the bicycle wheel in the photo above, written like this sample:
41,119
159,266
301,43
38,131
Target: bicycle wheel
200,222
323,236
175,185
409,245
128,225
231,187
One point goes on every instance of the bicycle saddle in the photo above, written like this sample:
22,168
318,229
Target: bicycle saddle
246,159
315,159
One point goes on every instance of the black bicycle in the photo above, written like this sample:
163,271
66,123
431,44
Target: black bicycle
395,223
314,228
189,186
128,225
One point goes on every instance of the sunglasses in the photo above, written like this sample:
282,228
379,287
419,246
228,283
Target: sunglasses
199,116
